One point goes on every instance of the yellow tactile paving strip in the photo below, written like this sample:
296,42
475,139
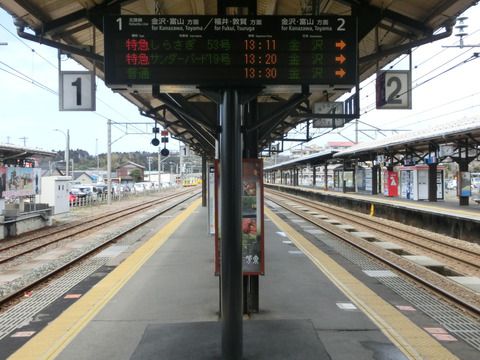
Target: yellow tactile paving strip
413,341
472,213
58,334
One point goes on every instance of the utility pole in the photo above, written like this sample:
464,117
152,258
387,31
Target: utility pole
159,161
96,152
149,166
67,150
24,141
109,163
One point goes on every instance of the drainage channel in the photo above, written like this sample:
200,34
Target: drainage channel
453,320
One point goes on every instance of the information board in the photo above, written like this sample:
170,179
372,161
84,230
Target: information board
230,50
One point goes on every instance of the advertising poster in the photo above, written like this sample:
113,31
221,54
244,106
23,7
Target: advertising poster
390,184
465,188
21,182
3,180
211,199
368,180
360,179
252,218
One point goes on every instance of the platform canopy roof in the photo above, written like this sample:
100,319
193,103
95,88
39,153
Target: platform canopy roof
386,29
463,131
312,159
13,152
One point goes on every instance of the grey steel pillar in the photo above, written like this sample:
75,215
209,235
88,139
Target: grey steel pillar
375,172
314,179
462,167
432,182
230,226
325,179
204,181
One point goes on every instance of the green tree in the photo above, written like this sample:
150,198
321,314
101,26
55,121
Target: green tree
136,175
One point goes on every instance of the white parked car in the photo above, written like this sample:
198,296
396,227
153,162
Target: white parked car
139,187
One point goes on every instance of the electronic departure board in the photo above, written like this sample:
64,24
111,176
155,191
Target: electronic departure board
230,50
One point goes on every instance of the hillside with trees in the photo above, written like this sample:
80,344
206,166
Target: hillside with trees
82,160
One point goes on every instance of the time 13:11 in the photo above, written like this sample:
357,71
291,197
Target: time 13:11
264,44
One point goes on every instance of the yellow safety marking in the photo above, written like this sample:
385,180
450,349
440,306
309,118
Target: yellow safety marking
372,210
412,204
58,334
413,341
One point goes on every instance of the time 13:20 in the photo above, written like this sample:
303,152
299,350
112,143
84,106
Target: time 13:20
264,59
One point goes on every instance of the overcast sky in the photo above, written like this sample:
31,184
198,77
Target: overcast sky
31,111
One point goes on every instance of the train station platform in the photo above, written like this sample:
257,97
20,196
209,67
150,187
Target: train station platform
161,301
444,216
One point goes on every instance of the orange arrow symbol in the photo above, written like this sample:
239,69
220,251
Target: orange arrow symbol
340,73
341,59
340,44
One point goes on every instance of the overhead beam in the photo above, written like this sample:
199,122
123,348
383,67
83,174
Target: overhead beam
94,15
369,16
404,47
33,10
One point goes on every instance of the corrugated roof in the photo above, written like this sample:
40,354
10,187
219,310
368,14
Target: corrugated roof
312,158
443,133
18,152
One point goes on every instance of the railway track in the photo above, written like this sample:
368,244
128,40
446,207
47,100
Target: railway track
18,248
385,230
179,199
450,251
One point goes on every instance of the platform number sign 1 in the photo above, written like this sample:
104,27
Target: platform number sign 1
394,89
77,91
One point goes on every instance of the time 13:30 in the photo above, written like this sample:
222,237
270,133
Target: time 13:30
260,73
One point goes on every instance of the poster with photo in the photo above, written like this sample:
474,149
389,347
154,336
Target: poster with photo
251,254
252,218
20,182
3,180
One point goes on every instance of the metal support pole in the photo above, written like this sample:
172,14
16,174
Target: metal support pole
251,289
462,167
432,182
204,181
159,158
325,179
109,163
67,154
375,172
230,225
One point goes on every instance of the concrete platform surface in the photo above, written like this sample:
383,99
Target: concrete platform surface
274,340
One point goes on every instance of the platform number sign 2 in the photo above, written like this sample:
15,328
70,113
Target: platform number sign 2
393,89
77,91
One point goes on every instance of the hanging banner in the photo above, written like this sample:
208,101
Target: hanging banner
211,199
253,258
